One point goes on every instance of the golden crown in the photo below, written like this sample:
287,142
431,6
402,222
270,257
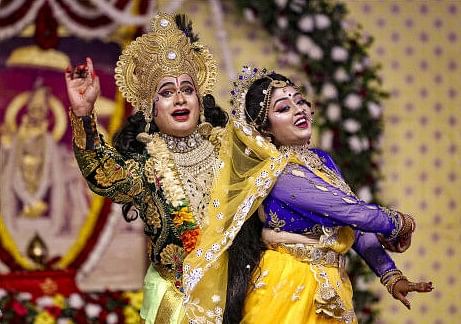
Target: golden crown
165,51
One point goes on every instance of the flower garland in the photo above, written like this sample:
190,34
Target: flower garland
160,169
316,37
106,307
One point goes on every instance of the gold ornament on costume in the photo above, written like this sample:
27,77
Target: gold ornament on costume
166,51
37,250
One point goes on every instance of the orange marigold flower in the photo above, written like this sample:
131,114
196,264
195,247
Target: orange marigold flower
189,239
183,215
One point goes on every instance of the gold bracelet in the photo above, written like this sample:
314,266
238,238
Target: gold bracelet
393,281
386,276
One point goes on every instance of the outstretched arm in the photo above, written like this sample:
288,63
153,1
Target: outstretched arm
306,192
107,173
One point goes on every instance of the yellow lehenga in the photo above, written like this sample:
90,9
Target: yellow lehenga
288,289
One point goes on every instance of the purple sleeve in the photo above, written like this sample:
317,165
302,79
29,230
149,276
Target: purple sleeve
369,248
300,188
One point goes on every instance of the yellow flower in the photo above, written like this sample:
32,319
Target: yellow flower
131,315
135,298
59,300
183,215
44,318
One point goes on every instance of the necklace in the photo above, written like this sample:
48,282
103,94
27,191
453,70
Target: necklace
313,162
197,169
183,144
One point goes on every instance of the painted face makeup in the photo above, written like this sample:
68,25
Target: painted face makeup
289,117
176,106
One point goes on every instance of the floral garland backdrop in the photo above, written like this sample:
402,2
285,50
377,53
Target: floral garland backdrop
106,307
317,37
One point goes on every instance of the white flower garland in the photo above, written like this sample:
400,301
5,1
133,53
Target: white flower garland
18,26
13,6
163,164
81,10
78,29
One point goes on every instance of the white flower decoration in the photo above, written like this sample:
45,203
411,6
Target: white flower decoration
353,101
92,310
355,144
329,91
341,75
339,54
315,53
24,296
249,15
374,109
44,301
306,23
282,22
293,58
281,3
76,301
322,21
304,44
357,67
333,112
351,125
326,140
112,318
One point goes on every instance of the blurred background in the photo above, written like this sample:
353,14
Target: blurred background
385,77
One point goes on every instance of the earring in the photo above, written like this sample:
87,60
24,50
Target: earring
147,116
204,128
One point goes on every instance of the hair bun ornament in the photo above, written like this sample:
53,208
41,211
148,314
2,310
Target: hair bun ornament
247,77
165,51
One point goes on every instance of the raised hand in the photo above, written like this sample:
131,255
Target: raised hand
403,287
82,88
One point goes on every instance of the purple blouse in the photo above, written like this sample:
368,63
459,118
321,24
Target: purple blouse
300,201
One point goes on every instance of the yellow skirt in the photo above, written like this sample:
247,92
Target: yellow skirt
287,291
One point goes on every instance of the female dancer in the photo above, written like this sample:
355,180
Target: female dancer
269,178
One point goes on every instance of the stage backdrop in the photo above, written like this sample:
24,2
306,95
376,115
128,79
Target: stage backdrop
42,190
419,45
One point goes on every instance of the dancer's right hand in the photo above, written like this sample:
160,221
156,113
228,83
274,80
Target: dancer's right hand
82,88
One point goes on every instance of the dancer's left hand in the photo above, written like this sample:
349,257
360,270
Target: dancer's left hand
403,287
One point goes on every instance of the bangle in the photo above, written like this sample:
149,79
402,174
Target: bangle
386,276
391,284
408,225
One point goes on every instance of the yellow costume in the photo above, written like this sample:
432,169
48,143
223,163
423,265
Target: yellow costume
290,289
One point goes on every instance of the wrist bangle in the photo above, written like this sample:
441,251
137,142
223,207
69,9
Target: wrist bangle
386,276
390,285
